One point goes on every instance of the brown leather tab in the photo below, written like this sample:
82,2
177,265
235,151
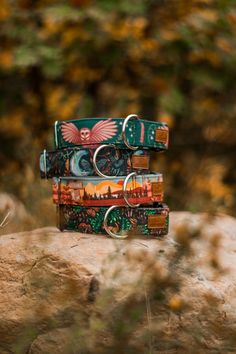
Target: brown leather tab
161,136
157,188
156,221
141,162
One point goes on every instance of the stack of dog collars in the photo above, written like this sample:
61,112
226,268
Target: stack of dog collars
101,179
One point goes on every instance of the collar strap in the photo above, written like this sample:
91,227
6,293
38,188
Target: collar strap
130,132
81,162
131,190
119,221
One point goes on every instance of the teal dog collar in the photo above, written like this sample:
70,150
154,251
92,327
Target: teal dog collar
130,133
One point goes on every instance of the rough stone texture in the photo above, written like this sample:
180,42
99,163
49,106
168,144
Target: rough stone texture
46,276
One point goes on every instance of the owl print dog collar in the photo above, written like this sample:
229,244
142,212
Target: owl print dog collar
131,133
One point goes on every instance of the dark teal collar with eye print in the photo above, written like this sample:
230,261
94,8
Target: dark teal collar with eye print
130,132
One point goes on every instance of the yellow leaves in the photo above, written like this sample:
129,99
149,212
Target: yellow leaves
50,27
69,36
31,100
82,73
5,10
208,105
209,15
224,44
166,118
204,54
54,98
210,180
169,34
231,17
217,130
12,124
214,132
62,105
68,108
6,59
202,19
124,28
133,107
149,44
159,84
73,34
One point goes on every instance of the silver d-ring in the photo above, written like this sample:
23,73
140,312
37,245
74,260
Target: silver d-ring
45,162
95,160
106,227
126,192
55,133
131,116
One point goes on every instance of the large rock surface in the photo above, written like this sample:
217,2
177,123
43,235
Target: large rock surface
47,276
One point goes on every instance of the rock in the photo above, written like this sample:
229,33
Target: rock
13,215
57,341
47,278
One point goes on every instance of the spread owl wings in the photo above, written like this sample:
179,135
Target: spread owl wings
103,130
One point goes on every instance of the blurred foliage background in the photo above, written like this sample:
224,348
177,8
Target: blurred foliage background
167,60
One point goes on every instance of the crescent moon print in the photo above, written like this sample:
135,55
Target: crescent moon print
100,132
79,163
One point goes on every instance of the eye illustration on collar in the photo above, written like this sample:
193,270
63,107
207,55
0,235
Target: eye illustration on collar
100,132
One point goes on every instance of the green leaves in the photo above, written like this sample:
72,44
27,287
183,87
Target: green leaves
48,58
173,101
60,13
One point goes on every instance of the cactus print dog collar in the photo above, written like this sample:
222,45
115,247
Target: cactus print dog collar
130,132
119,221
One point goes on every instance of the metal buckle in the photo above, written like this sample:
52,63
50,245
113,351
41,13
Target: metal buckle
95,160
106,227
45,162
55,133
125,191
131,116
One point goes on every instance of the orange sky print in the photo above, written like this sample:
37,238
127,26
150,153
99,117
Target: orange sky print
106,192
102,187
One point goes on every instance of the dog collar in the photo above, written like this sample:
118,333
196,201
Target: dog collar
146,221
130,132
131,190
105,161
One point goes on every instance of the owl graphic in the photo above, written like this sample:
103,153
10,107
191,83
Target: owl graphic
100,132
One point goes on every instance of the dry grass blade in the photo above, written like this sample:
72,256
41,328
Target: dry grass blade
5,221
149,319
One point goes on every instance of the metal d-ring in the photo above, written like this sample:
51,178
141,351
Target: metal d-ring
55,133
131,116
95,160
106,227
45,162
125,192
